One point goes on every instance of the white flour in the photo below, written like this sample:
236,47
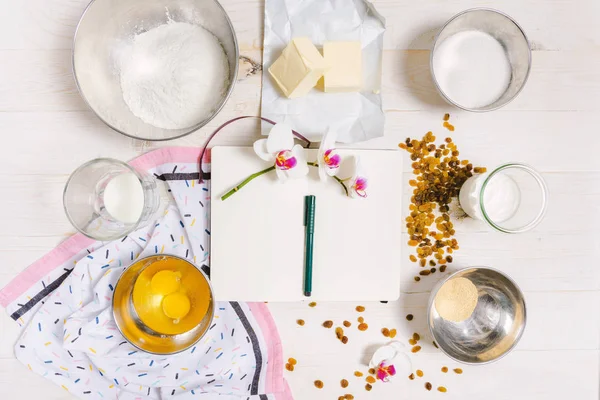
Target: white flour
175,75
472,68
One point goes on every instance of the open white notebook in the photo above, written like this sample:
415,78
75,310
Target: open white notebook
257,235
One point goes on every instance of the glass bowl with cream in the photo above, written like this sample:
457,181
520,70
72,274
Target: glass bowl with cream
106,199
480,60
512,198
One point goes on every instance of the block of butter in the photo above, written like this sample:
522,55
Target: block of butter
298,68
344,60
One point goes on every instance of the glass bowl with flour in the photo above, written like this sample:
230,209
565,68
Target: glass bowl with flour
480,60
155,70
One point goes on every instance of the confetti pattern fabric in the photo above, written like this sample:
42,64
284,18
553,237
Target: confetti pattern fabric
63,303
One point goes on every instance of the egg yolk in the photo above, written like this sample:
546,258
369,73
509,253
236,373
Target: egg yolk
176,305
165,282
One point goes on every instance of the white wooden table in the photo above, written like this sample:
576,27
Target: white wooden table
554,124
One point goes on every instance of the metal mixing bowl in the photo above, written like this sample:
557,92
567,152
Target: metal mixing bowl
104,28
506,31
495,326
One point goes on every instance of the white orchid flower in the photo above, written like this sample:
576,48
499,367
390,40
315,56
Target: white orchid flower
357,184
279,148
329,158
390,360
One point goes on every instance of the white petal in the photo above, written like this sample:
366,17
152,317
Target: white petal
260,148
281,174
389,353
301,168
280,138
322,171
332,171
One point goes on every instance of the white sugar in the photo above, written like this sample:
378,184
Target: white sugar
472,68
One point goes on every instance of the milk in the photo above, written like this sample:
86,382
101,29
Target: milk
124,198
501,197
472,68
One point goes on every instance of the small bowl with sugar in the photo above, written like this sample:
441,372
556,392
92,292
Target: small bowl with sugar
480,60
476,315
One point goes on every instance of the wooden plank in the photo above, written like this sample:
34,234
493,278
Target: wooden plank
550,25
41,80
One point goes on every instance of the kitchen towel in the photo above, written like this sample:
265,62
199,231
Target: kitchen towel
63,303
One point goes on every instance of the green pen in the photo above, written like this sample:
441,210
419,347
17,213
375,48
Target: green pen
309,232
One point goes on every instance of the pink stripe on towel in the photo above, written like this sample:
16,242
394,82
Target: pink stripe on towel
36,271
275,382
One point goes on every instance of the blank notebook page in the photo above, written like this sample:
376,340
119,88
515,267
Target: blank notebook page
257,234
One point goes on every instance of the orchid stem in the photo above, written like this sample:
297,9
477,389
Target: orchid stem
246,181
271,168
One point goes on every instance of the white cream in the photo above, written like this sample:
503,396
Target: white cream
501,197
472,68
124,198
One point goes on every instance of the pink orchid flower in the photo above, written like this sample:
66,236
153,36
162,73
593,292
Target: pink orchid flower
329,158
359,182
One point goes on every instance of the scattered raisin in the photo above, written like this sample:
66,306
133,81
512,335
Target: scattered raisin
415,349
339,332
416,336
312,304
412,341
370,379
443,268
419,373
292,361
372,371
458,370
360,308
439,175
344,383
348,397
358,373
411,377
392,333
347,324
428,386
319,384
444,369
289,367
368,387
341,398
409,317
449,126
300,322
442,389
344,339
385,332
363,327
446,118
328,324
